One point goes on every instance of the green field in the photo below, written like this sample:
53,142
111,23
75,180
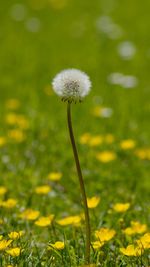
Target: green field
109,40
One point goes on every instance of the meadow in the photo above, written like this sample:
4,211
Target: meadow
41,214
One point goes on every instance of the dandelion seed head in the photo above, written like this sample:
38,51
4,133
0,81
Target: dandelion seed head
71,85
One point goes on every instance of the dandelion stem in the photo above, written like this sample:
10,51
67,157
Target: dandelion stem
82,187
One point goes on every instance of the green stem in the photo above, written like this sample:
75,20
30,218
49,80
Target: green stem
82,187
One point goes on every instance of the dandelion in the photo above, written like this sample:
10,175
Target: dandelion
95,140
72,86
59,245
121,207
93,202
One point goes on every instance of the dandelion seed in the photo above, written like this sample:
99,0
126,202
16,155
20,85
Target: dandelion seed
71,85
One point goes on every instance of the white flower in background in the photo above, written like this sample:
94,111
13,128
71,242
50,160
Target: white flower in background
126,50
126,81
33,24
18,12
106,25
71,85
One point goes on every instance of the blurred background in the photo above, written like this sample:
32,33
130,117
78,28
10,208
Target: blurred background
109,40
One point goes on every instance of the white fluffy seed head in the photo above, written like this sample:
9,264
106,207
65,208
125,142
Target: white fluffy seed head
71,85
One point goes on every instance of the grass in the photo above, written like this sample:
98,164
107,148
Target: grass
68,37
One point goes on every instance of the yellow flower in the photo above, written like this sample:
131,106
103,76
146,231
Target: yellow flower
95,140
9,203
93,202
45,221
4,244
127,144
105,234
70,220
143,153
43,190
55,176
131,250
9,265
16,135
97,244
14,252
12,103
106,156
3,141
1,237
30,214
59,245
121,207
15,235
84,139
136,228
1,220
144,241
3,190
58,4
109,138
